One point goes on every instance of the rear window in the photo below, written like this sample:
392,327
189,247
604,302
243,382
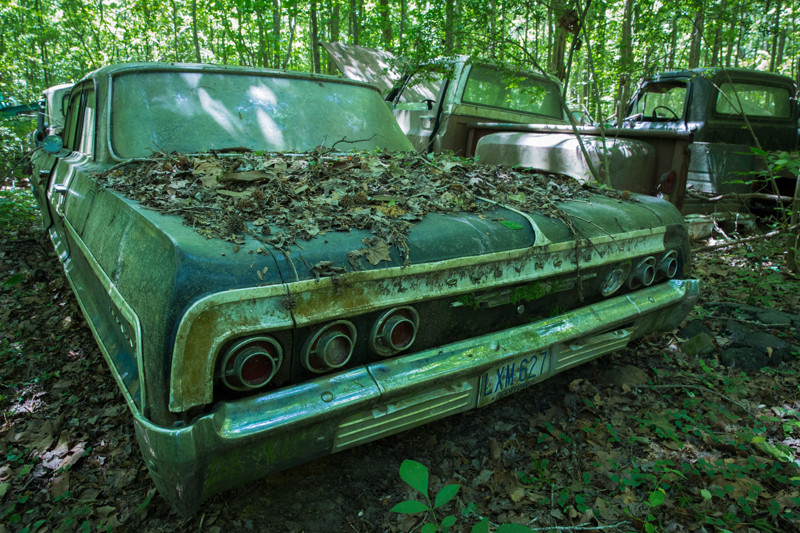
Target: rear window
194,112
661,101
513,91
753,100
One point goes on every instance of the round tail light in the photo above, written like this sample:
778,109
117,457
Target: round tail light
643,274
614,280
669,264
330,347
251,363
394,331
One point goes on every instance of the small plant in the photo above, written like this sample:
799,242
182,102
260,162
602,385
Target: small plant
416,476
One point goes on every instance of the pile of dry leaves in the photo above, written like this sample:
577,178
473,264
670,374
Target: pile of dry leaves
278,199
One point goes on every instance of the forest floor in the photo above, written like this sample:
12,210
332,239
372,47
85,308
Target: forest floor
696,429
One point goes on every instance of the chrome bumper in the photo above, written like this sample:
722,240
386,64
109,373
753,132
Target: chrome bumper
250,438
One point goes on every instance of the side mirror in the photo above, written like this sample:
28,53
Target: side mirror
52,144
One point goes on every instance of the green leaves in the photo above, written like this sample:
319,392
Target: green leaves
511,224
416,476
447,493
410,506
657,497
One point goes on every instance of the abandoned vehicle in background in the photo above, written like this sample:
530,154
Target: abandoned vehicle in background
253,322
687,135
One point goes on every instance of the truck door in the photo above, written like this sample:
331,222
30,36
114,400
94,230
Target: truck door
417,107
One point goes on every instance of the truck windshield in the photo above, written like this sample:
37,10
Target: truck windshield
198,111
515,91
661,101
753,99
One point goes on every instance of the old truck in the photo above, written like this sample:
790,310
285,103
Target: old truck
727,111
686,136
273,274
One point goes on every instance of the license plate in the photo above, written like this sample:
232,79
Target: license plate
512,376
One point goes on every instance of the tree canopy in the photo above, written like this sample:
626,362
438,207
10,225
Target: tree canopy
599,48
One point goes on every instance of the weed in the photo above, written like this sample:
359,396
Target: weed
416,476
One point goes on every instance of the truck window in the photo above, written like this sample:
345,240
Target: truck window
661,101
86,145
515,91
753,99
71,130
423,85
79,132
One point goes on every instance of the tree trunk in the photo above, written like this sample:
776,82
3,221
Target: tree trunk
449,27
288,55
403,15
459,9
717,45
386,23
315,66
42,42
195,38
276,34
626,60
697,37
355,17
262,58
673,44
731,32
556,65
174,31
333,30
776,30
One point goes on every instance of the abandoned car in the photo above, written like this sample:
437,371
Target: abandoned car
273,274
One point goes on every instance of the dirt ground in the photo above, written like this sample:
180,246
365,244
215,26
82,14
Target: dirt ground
678,431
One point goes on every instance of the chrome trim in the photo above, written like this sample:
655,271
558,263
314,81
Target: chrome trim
572,354
539,238
236,350
327,333
122,305
395,417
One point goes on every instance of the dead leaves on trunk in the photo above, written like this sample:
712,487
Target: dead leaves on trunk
282,199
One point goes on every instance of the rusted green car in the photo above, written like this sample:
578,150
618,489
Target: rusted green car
240,355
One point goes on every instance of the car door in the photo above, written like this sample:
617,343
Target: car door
67,208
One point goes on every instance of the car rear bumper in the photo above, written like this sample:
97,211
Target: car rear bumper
249,438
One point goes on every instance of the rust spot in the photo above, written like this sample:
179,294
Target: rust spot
289,302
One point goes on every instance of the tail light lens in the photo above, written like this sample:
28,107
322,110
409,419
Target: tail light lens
251,363
394,331
614,280
667,182
330,347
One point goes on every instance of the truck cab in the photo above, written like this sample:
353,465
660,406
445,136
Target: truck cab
727,111
477,108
